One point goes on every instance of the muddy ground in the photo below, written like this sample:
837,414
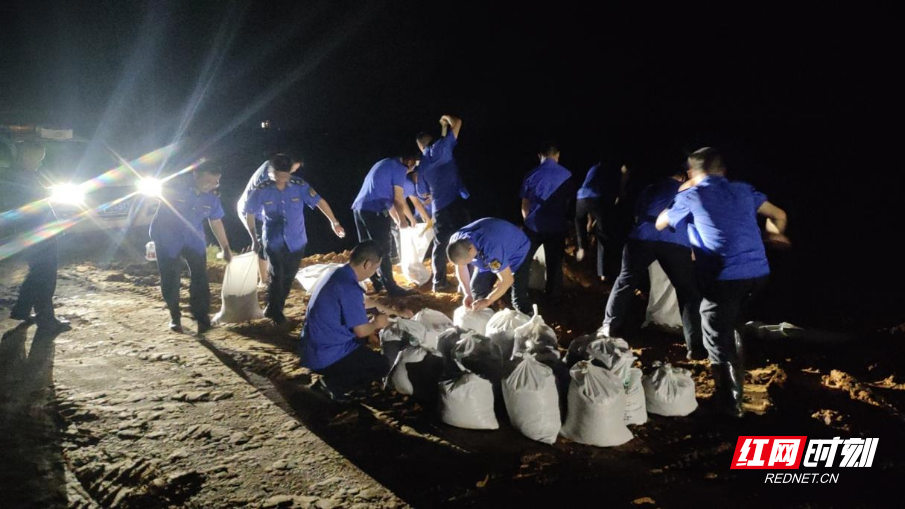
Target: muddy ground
120,412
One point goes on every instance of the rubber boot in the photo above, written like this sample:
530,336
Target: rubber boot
736,378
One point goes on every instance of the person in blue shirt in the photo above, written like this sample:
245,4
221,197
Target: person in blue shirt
547,192
672,250
439,178
261,175
381,193
21,187
178,234
333,339
730,260
281,201
595,212
497,251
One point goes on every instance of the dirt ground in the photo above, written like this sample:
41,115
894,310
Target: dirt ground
120,412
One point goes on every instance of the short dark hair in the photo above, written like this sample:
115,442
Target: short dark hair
458,250
705,159
281,162
365,251
548,148
424,138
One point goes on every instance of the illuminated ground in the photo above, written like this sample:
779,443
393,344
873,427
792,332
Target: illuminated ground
120,411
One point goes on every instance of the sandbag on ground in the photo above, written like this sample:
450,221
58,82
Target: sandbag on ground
240,291
399,334
472,320
532,401
416,372
535,338
578,350
435,322
596,405
669,391
467,402
635,403
613,354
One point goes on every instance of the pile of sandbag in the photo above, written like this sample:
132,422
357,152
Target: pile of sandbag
669,391
596,407
240,291
612,354
532,400
536,338
416,372
472,320
435,323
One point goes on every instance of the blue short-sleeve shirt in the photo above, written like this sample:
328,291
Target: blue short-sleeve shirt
499,243
334,310
547,197
178,223
656,198
283,212
439,174
724,229
379,187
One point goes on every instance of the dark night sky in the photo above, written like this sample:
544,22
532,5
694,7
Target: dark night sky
801,102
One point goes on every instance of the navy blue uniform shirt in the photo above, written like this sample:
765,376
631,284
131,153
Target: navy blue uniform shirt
283,212
548,199
500,244
179,220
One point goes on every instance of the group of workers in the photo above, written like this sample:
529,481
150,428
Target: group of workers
702,228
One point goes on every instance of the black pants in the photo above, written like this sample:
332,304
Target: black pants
284,265
592,207
722,310
447,221
36,291
679,268
482,284
361,367
554,252
376,226
199,288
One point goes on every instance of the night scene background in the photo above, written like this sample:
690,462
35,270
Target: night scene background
802,104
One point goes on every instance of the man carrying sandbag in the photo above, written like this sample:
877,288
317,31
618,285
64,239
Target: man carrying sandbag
178,235
498,250
383,192
672,249
261,175
335,324
281,202
730,260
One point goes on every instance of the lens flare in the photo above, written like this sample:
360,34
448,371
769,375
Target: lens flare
67,194
150,187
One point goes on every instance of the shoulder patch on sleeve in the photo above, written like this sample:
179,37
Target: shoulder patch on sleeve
495,265
312,192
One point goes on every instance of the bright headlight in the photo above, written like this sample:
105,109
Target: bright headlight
67,194
150,187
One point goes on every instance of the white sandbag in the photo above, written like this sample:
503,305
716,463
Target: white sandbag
503,323
240,291
532,401
537,277
399,378
310,275
535,337
596,402
435,323
662,306
635,405
413,245
472,320
408,332
467,402
669,391
613,354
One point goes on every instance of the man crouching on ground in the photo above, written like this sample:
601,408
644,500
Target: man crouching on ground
336,322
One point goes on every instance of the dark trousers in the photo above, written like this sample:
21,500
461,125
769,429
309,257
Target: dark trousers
722,310
592,207
361,367
199,288
482,284
376,226
678,266
36,291
284,265
554,252
447,221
